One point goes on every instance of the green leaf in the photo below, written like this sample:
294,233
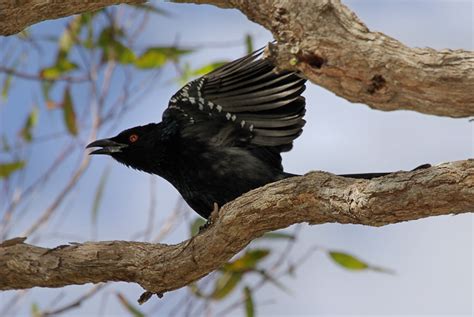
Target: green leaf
122,54
225,284
6,86
351,262
118,52
9,77
72,32
6,169
30,123
249,306
65,65
129,307
278,235
248,261
249,43
155,57
348,261
98,194
194,228
61,67
112,48
108,35
69,115
69,36
151,59
35,310
150,8
46,88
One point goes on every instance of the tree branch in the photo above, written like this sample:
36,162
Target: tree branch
17,15
314,198
327,43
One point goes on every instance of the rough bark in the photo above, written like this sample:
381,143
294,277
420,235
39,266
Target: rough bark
327,43
17,15
314,198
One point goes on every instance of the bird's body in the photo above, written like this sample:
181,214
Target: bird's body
221,134
205,174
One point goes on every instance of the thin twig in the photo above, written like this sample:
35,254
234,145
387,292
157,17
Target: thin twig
77,302
28,76
4,225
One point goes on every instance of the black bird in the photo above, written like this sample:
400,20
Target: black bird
221,135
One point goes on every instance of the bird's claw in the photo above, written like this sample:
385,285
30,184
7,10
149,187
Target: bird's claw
212,218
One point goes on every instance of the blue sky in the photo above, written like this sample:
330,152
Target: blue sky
433,257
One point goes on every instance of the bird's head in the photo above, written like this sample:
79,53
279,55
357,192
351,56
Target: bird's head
133,147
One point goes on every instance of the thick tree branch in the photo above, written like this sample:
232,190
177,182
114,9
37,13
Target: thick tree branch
326,42
17,15
314,198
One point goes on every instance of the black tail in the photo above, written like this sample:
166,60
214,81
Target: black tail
363,175
374,175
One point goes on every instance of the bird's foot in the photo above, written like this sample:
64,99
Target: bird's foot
211,220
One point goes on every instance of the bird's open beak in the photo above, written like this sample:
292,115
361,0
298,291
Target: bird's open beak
107,147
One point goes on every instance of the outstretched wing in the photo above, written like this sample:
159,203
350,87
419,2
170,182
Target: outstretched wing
243,102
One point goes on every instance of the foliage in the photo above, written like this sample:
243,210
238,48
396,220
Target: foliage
6,169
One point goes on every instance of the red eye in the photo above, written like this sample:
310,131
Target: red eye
133,138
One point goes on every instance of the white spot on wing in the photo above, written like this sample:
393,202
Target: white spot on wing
199,87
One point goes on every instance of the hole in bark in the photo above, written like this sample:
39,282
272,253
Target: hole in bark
376,83
313,60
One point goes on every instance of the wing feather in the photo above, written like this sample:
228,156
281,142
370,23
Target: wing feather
245,102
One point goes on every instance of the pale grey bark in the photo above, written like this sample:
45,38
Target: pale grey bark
329,45
314,198
16,15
